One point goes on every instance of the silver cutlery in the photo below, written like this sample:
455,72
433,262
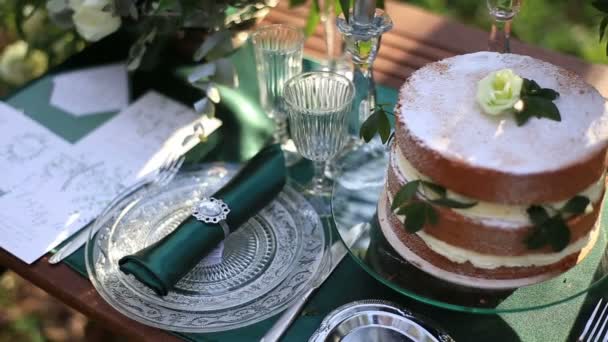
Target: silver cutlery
595,327
163,175
337,253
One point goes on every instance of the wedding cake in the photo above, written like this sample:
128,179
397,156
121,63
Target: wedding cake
497,170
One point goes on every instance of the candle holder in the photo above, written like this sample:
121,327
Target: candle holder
362,36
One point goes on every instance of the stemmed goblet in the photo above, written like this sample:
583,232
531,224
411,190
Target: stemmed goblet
318,104
278,56
503,12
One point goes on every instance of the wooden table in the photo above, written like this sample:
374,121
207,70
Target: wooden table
418,37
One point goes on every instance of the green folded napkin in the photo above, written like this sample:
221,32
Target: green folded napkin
162,264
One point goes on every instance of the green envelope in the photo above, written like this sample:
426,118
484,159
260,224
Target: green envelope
161,265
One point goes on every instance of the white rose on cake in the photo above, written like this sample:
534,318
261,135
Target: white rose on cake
499,91
91,21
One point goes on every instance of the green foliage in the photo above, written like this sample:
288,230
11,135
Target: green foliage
552,230
537,102
377,123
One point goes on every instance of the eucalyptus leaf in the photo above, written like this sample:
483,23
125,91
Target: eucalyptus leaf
576,205
450,203
213,93
212,41
138,49
405,194
201,105
225,72
202,72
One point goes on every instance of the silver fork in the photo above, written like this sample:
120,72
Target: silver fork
596,325
163,175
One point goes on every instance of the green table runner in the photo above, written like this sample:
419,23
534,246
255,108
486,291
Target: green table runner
241,136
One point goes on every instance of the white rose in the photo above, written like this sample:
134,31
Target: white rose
91,21
18,67
499,91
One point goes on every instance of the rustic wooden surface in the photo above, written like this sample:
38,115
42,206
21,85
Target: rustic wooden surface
418,37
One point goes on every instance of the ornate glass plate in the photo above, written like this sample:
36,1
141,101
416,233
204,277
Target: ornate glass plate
266,264
354,211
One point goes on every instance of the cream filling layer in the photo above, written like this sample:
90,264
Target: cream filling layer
494,214
486,261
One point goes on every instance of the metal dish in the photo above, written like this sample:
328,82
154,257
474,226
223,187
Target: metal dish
376,321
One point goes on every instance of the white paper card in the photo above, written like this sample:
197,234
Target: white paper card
93,90
56,192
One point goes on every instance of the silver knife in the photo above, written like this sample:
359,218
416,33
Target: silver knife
337,253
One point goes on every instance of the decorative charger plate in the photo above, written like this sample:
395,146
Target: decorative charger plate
266,264
354,211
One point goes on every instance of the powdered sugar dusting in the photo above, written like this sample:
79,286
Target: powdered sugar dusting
439,108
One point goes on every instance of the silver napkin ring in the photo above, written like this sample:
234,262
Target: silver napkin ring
212,210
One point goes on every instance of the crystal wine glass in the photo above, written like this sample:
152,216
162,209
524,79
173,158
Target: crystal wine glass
278,56
503,12
318,104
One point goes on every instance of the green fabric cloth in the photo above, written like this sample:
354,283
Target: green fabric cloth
241,136
161,265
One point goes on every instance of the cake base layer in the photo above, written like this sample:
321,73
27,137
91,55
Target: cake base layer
413,249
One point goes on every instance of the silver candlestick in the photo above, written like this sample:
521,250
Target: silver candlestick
362,35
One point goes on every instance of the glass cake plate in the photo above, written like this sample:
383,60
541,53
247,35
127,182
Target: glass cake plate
354,212
265,265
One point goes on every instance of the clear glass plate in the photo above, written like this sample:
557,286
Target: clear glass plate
354,211
266,264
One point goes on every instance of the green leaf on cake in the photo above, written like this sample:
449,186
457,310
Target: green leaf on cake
553,230
537,102
576,205
450,203
539,107
436,188
405,194
559,233
537,214
415,216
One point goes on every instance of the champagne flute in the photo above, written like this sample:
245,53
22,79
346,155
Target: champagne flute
503,12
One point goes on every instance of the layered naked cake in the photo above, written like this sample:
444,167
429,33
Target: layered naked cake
511,203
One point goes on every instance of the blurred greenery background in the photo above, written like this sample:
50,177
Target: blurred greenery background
30,43
567,26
